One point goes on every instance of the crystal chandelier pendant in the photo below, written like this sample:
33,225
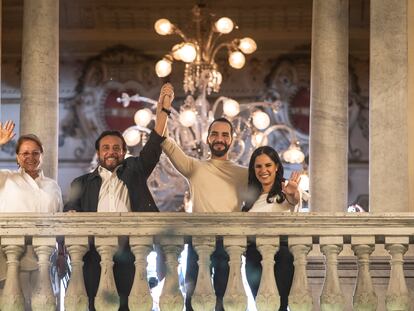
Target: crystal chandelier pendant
200,76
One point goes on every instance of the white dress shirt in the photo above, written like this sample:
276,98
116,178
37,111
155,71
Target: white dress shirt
19,192
113,195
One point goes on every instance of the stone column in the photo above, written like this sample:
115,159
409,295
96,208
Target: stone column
329,106
388,134
410,111
39,85
1,21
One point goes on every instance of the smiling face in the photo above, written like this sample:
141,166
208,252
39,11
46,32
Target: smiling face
29,156
110,153
265,170
219,139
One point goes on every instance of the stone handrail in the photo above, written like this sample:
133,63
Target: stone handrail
305,231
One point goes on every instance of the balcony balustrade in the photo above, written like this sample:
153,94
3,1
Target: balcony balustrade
356,261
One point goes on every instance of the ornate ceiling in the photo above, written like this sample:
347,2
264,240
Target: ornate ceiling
90,26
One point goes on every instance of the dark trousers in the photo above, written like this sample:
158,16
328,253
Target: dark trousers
283,270
124,271
220,266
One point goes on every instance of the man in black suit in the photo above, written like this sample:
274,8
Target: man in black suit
119,185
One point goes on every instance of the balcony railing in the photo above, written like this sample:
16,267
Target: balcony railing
363,253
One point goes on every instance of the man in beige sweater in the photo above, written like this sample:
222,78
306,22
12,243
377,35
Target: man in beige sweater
216,185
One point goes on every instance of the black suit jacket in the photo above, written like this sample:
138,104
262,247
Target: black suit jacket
134,172
84,195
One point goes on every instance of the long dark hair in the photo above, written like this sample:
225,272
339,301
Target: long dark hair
254,185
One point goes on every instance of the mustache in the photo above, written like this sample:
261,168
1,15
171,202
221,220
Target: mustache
219,143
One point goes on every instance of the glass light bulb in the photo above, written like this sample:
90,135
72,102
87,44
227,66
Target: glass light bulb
237,59
163,68
176,51
259,139
143,117
231,108
224,25
163,27
219,77
187,118
132,137
261,120
247,45
293,154
188,53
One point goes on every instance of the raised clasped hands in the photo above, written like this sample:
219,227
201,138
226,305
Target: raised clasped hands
6,132
166,95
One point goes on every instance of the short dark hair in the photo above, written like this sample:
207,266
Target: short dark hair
27,137
110,133
221,120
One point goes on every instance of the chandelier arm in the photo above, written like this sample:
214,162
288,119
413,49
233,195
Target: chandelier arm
218,47
212,42
178,31
248,106
218,100
282,127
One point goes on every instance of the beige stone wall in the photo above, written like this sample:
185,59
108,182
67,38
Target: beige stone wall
410,113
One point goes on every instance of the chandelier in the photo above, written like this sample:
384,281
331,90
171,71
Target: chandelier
189,126
198,52
253,122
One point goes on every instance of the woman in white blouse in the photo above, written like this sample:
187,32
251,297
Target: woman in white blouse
27,190
270,192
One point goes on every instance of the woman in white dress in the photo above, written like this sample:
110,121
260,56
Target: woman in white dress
270,192
27,190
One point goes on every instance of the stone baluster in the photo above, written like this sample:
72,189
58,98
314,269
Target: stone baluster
76,298
204,297
300,298
140,298
107,298
235,298
12,298
42,296
171,298
365,298
268,298
332,297
397,297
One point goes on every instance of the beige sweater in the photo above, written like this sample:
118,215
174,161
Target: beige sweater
215,185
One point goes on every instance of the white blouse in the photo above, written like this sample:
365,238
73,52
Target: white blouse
261,205
19,192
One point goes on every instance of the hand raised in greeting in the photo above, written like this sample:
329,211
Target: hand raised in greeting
6,132
292,186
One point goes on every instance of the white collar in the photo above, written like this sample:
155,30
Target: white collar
40,173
